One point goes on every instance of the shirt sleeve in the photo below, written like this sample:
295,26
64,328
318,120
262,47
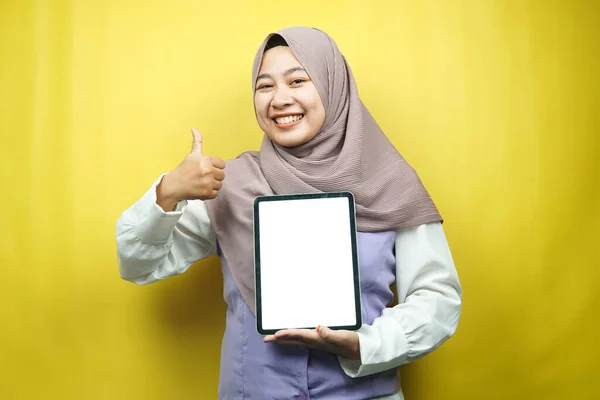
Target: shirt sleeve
153,244
428,310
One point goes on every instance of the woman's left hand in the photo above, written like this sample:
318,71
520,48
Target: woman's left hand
342,343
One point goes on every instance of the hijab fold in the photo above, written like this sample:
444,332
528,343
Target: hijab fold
350,153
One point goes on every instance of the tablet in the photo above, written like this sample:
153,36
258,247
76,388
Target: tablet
306,262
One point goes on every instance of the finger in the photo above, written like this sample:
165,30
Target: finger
206,195
289,333
269,338
217,162
331,336
304,335
218,174
196,142
342,342
218,185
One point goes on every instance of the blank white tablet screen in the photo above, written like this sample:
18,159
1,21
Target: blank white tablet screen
306,263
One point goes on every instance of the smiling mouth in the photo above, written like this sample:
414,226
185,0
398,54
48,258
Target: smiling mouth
290,119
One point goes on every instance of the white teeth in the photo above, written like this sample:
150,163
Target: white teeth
289,119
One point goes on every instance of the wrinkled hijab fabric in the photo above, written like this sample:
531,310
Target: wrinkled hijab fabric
350,153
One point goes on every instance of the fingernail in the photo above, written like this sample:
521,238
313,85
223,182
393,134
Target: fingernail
319,328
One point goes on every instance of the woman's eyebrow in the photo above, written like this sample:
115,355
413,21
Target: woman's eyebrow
288,72
292,70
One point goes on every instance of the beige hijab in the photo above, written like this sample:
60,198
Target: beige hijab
350,153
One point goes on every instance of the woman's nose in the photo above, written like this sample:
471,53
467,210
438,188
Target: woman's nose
282,98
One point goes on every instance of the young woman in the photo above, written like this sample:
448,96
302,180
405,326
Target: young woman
319,137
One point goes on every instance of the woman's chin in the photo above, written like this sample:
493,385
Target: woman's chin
290,139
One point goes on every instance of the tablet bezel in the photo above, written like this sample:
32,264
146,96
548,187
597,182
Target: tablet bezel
355,268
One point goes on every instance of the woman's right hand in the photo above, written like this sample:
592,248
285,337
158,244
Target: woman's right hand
198,177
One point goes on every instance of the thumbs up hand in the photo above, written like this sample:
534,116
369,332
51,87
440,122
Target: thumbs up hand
198,177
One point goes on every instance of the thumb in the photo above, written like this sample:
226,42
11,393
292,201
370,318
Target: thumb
324,332
343,338
196,142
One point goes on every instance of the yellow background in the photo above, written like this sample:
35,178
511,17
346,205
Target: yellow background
496,103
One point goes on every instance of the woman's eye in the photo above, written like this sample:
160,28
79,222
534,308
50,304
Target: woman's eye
263,87
297,81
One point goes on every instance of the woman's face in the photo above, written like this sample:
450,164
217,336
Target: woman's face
288,107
